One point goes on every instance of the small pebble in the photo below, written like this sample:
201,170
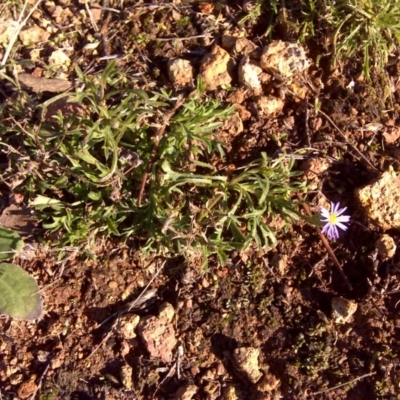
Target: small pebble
205,283
112,285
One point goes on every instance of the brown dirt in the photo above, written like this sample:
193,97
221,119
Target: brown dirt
248,302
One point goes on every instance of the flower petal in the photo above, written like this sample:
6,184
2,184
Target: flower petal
334,207
333,232
325,228
341,226
341,211
325,213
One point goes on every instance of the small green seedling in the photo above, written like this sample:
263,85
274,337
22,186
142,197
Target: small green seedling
19,292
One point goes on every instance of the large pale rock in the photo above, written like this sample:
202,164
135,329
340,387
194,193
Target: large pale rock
158,335
214,68
166,312
126,377
381,200
39,84
280,261
286,59
247,360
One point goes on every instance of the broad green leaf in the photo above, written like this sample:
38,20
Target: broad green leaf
20,296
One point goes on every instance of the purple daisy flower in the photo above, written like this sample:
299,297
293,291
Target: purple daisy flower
333,220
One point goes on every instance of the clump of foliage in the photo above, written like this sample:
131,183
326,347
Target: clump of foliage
370,28
253,9
83,171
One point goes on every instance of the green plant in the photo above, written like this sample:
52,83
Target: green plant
84,169
183,22
224,213
254,12
369,26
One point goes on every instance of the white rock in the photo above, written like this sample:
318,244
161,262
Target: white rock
128,324
180,72
248,75
268,106
386,247
60,60
166,312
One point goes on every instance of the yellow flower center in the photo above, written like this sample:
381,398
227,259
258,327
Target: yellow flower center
333,219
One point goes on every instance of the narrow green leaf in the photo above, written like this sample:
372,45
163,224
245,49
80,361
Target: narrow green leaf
41,202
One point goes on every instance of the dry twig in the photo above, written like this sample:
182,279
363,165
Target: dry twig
184,38
328,247
153,152
344,384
